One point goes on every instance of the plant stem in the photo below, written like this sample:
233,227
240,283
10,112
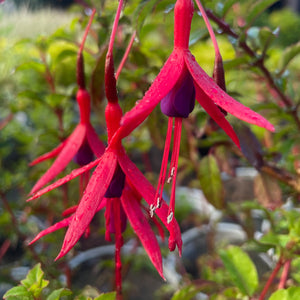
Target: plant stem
118,244
284,275
271,278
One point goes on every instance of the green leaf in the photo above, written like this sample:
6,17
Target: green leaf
289,53
34,281
267,36
257,9
241,269
144,9
210,181
107,296
185,293
291,293
18,292
57,294
35,65
65,53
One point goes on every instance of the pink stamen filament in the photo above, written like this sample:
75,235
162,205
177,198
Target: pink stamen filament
163,170
174,165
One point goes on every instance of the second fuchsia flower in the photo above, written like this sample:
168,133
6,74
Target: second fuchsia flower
83,144
180,82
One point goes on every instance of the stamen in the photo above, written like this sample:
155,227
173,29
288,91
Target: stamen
170,217
164,164
174,161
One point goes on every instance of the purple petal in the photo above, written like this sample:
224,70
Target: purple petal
84,155
180,101
116,186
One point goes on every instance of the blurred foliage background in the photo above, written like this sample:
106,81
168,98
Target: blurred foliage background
259,42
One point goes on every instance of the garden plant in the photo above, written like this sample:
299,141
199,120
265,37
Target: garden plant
131,106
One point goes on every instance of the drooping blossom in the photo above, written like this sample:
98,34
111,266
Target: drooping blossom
83,144
118,185
180,82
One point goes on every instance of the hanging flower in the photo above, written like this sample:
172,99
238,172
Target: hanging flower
83,143
180,82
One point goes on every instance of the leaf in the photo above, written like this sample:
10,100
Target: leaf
57,294
144,9
257,9
291,293
267,191
65,53
210,180
35,65
250,146
185,293
267,36
18,292
34,281
236,62
289,53
241,269
107,296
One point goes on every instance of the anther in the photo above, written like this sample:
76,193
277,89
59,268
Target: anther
172,173
158,203
152,209
170,217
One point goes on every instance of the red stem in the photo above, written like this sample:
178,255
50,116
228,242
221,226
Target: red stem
209,28
115,26
118,244
125,55
271,278
285,274
4,248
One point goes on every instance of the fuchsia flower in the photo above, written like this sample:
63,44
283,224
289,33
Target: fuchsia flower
83,143
118,185
179,83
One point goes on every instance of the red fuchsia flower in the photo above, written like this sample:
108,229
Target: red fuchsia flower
179,83
118,185
83,143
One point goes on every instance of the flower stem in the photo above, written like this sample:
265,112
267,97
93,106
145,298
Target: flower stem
125,55
209,28
284,275
271,278
118,245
